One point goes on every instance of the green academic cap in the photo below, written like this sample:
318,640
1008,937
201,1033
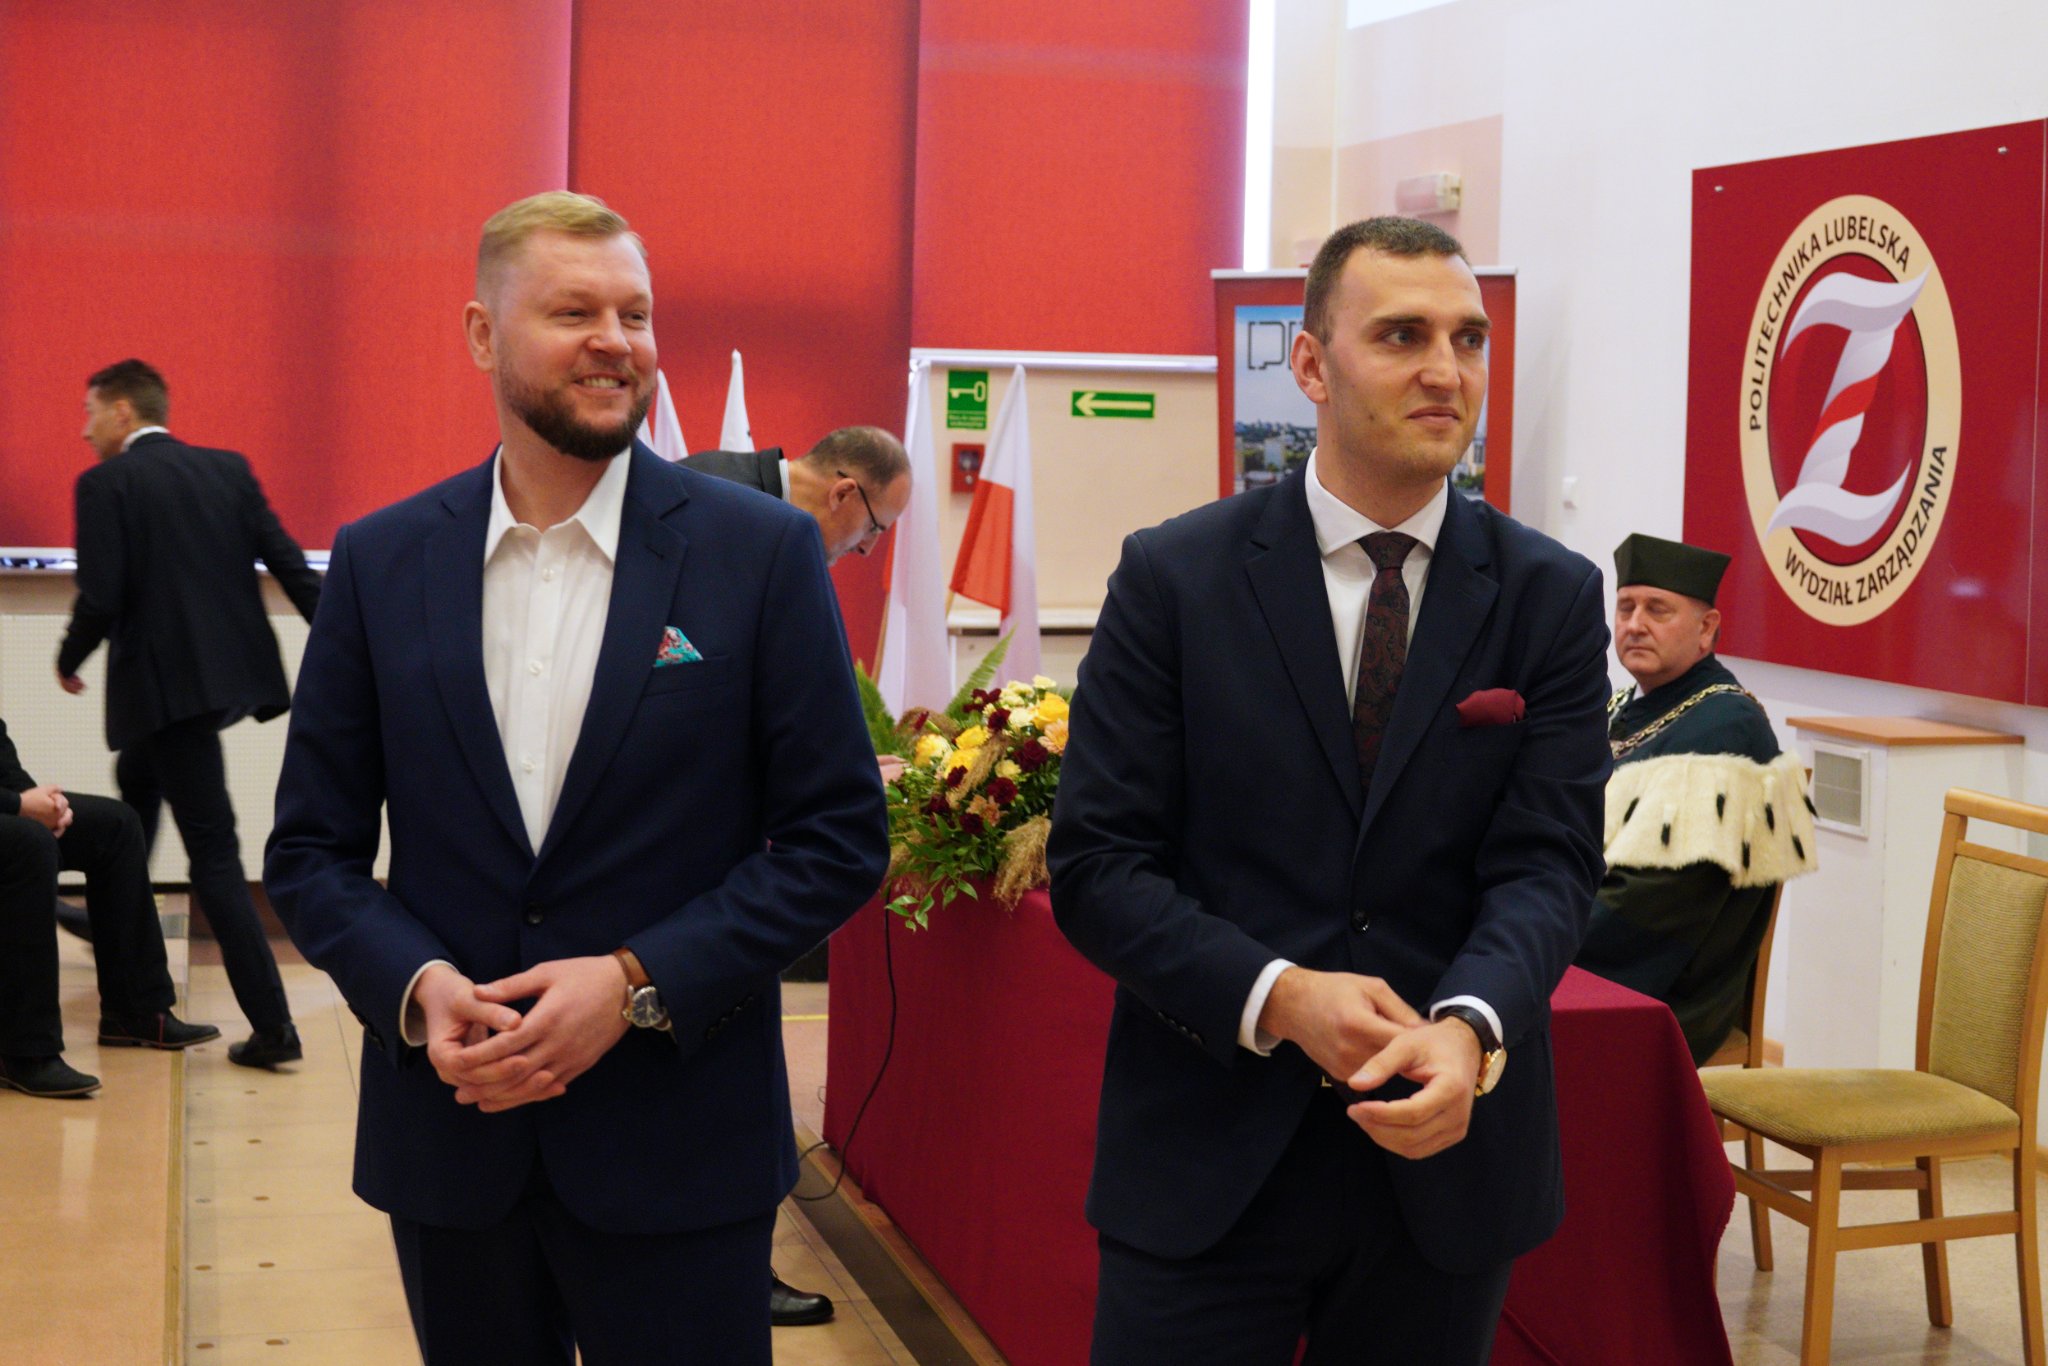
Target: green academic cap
1671,565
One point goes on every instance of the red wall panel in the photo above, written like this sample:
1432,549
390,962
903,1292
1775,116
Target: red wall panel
765,154
1080,171
277,205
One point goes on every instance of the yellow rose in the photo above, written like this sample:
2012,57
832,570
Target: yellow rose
1051,708
974,737
930,748
1008,769
1042,683
960,759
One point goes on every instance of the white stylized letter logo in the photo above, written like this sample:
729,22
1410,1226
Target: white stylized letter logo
1870,311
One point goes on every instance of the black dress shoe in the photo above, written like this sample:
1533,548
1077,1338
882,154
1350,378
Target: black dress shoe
267,1047
45,1077
74,920
161,1030
789,1307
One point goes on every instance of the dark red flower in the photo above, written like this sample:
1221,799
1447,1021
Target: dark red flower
1002,791
935,807
998,717
970,823
954,775
1031,756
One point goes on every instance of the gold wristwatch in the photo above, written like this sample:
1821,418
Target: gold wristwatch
1493,1054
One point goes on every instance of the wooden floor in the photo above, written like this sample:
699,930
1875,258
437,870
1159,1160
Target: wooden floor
282,1264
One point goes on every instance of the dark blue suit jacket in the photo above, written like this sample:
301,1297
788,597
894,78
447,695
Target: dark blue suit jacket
1210,819
719,818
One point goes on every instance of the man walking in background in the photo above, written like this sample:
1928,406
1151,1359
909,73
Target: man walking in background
168,538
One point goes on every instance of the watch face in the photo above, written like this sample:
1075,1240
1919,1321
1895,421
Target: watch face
646,1011
1490,1068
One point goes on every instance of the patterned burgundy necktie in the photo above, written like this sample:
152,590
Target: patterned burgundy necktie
1382,648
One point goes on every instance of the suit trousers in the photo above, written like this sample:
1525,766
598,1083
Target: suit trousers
181,764
104,842
1322,1253
543,1285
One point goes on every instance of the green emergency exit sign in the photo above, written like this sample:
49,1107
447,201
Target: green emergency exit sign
1099,403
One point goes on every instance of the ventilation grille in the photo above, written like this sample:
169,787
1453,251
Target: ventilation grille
1840,790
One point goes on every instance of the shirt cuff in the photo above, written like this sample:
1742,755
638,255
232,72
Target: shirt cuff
1249,1035
1436,1012
405,1030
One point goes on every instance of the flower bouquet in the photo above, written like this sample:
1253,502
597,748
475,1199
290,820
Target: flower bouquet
974,802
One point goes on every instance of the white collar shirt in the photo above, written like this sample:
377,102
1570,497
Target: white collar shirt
141,432
1348,571
546,597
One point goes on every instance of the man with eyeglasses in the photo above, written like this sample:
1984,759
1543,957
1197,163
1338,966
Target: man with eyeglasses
855,484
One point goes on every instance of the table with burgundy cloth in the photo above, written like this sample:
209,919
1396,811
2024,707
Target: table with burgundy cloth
979,1139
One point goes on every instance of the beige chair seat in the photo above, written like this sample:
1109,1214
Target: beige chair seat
1836,1106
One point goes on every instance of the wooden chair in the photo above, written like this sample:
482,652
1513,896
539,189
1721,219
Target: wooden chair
1744,1047
1972,1089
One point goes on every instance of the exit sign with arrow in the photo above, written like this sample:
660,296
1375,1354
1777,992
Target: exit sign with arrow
1098,403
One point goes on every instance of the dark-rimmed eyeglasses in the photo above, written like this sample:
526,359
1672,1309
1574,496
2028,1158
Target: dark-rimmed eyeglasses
875,527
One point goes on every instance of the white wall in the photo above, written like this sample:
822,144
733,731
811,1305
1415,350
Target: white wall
1607,107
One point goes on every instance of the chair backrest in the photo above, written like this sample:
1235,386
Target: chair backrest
1759,980
1983,968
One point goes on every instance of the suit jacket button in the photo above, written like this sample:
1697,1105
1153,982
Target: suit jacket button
1359,920
534,914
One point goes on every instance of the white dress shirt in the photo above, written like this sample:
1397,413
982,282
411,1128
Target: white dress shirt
141,432
546,597
1348,573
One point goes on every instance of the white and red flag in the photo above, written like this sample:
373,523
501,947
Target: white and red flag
736,433
916,667
660,429
998,560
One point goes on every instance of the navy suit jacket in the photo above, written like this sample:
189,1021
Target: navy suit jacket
1210,819
718,818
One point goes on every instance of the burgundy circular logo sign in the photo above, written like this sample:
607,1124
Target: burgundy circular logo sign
1850,406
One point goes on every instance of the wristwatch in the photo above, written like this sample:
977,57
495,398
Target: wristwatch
643,1009
1493,1054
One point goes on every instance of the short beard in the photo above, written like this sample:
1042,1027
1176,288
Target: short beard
549,416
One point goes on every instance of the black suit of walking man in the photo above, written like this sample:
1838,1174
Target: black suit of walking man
168,536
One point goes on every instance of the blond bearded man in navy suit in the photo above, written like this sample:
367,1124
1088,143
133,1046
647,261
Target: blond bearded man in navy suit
607,707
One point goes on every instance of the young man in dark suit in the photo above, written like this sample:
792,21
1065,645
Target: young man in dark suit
168,540
607,707
1331,816
831,482
44,830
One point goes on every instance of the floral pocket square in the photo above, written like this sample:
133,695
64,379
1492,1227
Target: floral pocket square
675,649
1491,707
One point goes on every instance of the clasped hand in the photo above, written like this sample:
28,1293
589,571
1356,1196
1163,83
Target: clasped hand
1360,1032
48,807
498,1059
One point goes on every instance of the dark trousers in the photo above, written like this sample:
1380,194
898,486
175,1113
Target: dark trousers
1322,1252
104,842
542,1285
181,764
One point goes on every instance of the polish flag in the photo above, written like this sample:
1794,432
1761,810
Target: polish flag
660,430
998,560
916,667
737,434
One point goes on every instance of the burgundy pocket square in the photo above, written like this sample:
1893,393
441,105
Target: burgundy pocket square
1491,707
